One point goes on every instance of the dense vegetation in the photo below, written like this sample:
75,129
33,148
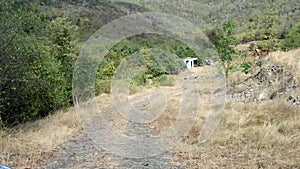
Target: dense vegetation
156,65
36,63
40,41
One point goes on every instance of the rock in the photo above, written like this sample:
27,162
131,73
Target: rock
290,97
262,96
145,164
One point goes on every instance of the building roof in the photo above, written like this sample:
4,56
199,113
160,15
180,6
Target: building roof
189,58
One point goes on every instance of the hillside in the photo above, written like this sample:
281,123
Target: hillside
208,13
92,15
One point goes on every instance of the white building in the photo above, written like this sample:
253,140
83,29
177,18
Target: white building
190,62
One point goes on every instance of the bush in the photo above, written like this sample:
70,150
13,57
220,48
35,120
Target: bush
31,85
34,79
133,87
292,38
165,80
103,86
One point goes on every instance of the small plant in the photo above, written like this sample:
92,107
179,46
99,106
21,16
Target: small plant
133,87
233,68
156,72
252,46
103,86
246,67
165,80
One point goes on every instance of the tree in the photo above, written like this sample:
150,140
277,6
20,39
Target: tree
224,41
31,81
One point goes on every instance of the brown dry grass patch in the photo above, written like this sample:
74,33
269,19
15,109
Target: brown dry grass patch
252,135
26,144
249,135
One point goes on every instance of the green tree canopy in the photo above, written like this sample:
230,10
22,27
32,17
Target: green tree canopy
32,76
224,40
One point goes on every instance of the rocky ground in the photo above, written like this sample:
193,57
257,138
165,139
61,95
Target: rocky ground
270,81
80,152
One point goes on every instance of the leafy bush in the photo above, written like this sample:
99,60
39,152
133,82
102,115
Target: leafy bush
33,78
62,34
165,80
137,82
233,68
292,39
103,86
133,87
140,79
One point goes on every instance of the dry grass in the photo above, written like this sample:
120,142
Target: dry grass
169,115
290,60
25,145
249,136
28,144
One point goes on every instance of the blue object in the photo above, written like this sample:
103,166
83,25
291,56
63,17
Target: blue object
4,167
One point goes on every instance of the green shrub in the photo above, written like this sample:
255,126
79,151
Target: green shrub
34,79
224,39
165,80
133,87
233,68
103,86
292,39
140,79
246,67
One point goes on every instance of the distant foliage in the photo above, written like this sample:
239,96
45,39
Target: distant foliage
55,2
160,55
165,80
263,26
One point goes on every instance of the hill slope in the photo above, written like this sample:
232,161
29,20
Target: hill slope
91,15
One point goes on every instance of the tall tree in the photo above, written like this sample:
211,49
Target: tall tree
224,41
